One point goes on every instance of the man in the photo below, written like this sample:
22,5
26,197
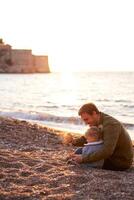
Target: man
117,150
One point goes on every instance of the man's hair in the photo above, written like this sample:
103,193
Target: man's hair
94,132
88,108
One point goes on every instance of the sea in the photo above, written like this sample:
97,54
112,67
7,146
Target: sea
54,99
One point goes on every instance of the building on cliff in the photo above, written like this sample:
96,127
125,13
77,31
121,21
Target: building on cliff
21,61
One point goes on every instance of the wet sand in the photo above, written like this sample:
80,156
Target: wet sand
33,167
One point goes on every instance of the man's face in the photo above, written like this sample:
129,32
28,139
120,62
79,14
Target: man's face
91,120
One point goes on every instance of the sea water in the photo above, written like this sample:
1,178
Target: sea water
54,99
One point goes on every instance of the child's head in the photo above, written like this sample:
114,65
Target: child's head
93,134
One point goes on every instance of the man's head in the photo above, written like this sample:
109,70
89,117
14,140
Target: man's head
93,134
89,114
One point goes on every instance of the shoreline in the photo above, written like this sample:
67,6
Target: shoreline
59,124
33,167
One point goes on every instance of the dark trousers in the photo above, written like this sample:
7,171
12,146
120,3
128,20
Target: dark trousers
110,166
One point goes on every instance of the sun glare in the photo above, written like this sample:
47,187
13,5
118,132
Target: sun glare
68,79
69,84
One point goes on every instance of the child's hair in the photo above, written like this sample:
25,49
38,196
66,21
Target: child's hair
94,132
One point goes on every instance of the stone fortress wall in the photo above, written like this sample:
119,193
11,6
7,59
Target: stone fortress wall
21,60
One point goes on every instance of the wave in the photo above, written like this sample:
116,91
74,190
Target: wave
46,117
48,106
128,125
105,100
128,106
117,100
37,116
122,101
70,107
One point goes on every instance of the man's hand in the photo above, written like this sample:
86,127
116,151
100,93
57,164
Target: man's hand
77,158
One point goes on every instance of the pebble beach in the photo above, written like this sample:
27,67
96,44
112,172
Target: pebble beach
33,167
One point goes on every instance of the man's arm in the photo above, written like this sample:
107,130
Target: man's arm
110,136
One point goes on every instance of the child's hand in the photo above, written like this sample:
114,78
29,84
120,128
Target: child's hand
77,158
71,161
68,139
70,156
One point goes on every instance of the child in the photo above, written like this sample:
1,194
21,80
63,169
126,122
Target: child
94,143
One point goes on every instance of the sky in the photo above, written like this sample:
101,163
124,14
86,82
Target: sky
77,35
